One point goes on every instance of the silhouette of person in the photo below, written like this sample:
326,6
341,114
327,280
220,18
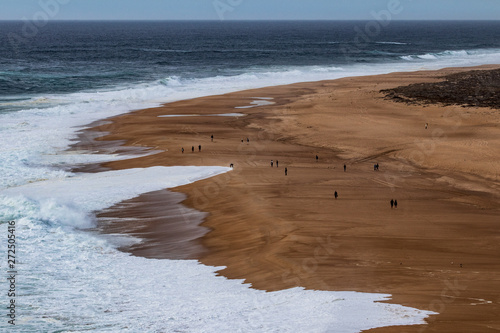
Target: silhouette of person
212,138
276,163
182,150
248,140
392,203
199,148
192,149
336,195
286,171
271,163
317,158
345,167
395,204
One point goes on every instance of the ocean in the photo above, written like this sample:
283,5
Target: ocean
58,78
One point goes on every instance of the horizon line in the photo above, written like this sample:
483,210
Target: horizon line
248,20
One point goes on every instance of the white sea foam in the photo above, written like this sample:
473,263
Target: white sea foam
455,58
392,43
259,101
96,191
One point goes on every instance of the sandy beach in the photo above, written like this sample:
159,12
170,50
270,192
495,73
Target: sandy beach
438,250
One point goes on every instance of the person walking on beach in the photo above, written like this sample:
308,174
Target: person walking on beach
248,140
271,163
395,204
345,167
276,163
212,138
317,158
336,195
182,150
286,171
199,147
392,203
192,149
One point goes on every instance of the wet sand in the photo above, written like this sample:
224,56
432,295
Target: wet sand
168,226
439,250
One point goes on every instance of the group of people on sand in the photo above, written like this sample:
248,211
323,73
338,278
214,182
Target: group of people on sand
231,165
277,165
394,203
199,146
192,149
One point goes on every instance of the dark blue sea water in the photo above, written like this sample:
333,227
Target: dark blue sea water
68,57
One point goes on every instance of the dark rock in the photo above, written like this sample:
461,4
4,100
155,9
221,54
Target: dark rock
478,88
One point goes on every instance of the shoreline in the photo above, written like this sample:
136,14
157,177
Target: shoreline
279,231
168,226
